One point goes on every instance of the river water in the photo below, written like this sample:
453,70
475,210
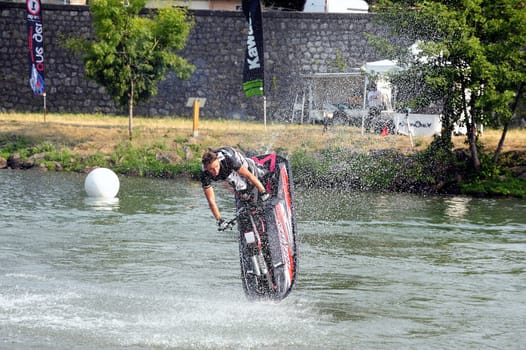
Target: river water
149,271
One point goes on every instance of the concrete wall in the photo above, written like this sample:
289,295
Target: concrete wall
296,44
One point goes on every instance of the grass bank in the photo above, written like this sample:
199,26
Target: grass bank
165,147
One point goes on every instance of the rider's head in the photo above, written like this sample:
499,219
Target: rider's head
211,163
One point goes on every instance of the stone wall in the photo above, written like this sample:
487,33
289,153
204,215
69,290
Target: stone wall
296,44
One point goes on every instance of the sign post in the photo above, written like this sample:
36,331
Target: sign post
195,129
196,103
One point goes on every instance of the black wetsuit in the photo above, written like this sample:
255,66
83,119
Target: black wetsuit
231,161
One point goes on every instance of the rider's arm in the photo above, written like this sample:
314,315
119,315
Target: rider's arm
252,178
211,198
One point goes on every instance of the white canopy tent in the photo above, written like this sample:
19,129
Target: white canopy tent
379,68
405,123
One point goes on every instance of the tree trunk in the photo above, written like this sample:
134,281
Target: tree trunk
447,125
506,126
130,114
472,139
471,126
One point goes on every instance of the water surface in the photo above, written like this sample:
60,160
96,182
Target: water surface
149,271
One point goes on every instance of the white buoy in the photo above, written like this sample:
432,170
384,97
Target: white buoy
102,183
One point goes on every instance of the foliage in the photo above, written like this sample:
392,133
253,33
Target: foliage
96,159
431,171
496,187
125,159
513,158
45,153
130,54
145,161
377,171
471,57
339,63
307,167
437,163
62,157
10,143
45,146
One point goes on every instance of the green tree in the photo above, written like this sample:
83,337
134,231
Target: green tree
129,54
472,58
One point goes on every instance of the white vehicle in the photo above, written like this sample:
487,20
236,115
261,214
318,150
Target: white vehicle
336,6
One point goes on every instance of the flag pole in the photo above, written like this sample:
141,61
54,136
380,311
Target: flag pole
45,108
265,111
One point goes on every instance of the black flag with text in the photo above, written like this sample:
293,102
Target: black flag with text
35,36
253,73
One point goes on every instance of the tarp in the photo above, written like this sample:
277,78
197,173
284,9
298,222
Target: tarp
417,124
336,6
352,6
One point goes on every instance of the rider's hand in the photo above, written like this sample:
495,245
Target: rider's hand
220,224
264,196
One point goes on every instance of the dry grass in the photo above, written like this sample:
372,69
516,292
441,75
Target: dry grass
91,133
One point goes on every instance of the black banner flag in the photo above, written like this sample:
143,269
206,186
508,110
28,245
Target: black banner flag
35,36
253,73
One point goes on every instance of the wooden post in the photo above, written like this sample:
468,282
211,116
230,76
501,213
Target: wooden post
196,118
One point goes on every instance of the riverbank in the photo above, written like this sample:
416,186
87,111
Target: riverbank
340,157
